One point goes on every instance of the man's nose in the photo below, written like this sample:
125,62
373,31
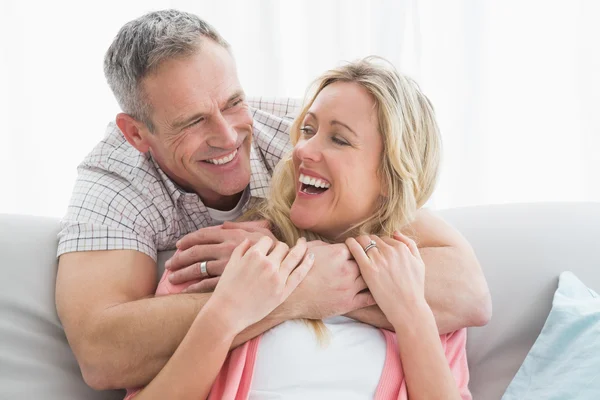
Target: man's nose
222,134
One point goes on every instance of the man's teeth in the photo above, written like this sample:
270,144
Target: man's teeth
316,182
223,160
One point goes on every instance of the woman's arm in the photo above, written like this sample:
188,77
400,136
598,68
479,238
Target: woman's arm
256,280
400,293
424,361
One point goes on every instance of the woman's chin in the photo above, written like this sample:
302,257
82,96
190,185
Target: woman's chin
301,219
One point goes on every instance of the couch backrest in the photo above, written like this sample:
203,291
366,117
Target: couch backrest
522,249
35,359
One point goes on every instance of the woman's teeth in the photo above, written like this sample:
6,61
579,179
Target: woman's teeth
224,160
316,182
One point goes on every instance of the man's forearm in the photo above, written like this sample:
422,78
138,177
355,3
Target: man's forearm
455,288
130,343
372,316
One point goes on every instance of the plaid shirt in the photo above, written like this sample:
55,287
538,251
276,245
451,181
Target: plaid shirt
122,200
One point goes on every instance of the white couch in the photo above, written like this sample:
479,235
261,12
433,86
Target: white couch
522,249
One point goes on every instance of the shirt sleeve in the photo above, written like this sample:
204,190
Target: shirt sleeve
282,107
107,213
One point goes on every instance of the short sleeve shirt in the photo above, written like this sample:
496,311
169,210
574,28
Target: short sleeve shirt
122,200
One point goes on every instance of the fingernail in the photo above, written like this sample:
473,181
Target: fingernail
168,264
171,277
178,243
311,256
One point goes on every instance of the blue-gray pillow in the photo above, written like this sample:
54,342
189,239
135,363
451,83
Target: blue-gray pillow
564,362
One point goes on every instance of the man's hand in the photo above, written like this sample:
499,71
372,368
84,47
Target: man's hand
332,287
215,245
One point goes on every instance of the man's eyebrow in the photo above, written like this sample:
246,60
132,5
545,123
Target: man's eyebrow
184,121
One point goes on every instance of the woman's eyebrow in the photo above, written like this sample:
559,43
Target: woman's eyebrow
336,122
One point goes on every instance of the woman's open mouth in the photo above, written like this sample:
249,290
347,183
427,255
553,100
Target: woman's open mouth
313,186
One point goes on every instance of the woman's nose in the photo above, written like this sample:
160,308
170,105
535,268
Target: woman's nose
309,149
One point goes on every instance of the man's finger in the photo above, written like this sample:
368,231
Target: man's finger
298,274
213,268
194,254
363,300
210,235
294,256
207,285
360,284
250,226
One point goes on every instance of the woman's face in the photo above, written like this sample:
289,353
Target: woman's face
336,160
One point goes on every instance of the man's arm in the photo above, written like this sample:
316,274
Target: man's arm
455,287
120,334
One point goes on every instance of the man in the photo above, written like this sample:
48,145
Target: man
183,157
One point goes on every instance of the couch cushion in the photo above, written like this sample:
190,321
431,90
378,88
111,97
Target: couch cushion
35,359
522,249
563,363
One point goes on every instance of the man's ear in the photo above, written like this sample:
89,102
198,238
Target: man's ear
134,131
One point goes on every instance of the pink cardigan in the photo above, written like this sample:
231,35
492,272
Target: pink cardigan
235,378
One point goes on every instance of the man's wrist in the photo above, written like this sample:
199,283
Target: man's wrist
285,312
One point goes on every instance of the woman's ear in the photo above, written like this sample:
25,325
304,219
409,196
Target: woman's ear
134,131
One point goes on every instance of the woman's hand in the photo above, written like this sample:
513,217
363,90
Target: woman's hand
394,272
256,279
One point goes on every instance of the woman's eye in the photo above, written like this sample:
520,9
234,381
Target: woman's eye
339,141
306,130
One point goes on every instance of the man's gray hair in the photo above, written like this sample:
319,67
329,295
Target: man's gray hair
142,45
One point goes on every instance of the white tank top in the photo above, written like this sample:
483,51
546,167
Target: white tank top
292,364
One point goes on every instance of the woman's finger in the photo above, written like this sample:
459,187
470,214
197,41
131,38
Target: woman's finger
240,250
279,252
369,245
263,245
358,253
412,246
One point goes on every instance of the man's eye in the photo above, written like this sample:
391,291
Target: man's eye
196,122
236,103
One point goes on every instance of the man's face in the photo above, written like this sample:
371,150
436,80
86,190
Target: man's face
203,128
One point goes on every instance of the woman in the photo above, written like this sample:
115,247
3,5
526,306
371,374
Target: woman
365,158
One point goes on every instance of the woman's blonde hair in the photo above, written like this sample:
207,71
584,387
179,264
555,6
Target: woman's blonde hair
410,161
